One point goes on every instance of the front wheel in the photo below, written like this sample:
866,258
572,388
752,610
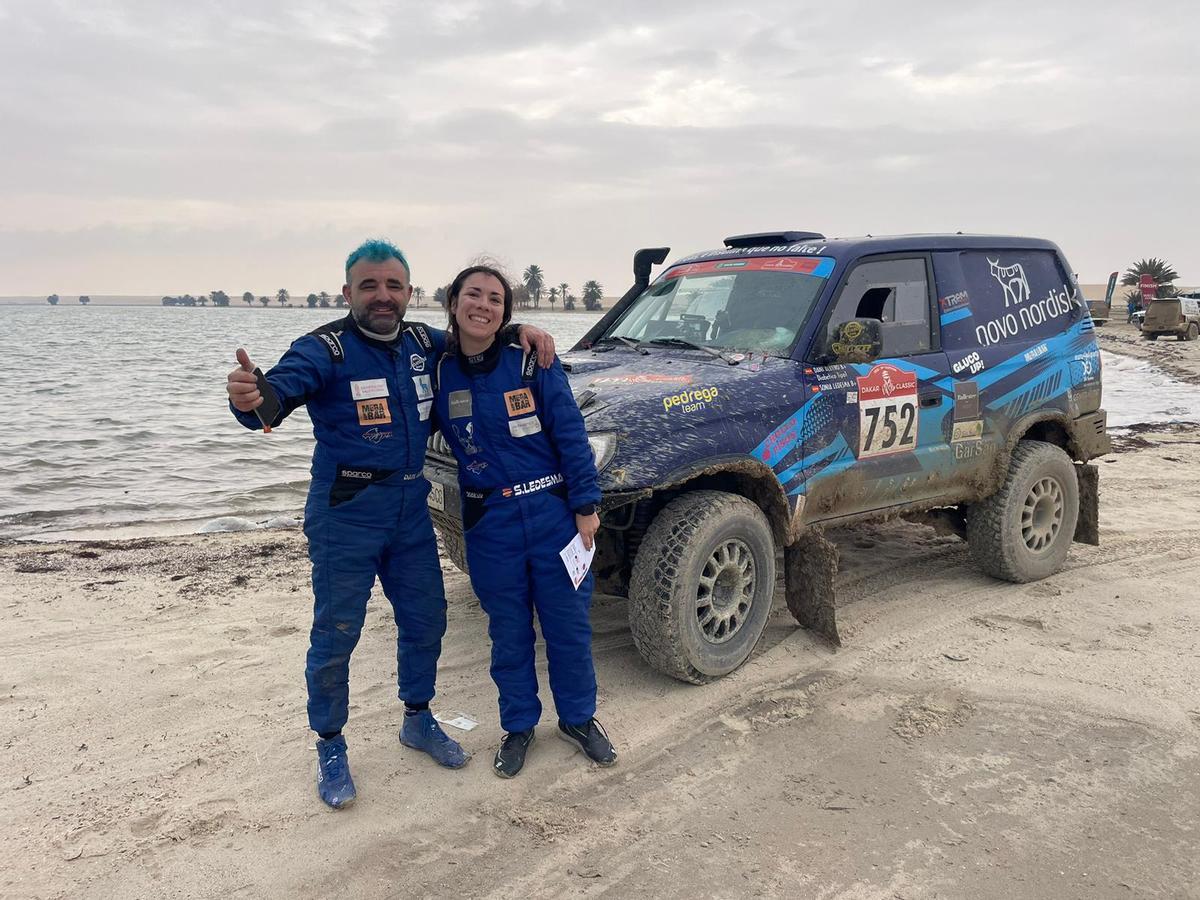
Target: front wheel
702,585
1023,531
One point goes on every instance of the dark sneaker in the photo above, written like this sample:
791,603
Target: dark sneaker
422,732
334,784
591,738
510,758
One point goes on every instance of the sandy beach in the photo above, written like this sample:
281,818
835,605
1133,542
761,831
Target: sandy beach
971,737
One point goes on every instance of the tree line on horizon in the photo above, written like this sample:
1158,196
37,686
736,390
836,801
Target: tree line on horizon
528,292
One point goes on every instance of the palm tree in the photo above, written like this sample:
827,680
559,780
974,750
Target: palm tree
283,296
439,297
219,298
552,296
418,292
569,301
248,298
1158,269
521,296
264,300
84,299
323,300
52,299
562,292
593,293
534,282
339,301
312,301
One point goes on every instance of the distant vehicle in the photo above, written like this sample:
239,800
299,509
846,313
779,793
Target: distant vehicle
755,394
1138,316
1179,316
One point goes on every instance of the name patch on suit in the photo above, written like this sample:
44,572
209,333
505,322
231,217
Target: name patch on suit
423,410
524,427
519,402
374,412
368,390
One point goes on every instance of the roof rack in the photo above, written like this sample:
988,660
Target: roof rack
767,238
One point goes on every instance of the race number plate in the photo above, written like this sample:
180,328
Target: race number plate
437,497
887,411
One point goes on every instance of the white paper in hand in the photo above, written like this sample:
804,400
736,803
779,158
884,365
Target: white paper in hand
577,559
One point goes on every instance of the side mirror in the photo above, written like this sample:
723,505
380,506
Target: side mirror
857,341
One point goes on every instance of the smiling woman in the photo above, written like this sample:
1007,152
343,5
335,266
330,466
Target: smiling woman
529,486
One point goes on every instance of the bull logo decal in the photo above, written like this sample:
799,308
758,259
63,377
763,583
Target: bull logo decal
1012,279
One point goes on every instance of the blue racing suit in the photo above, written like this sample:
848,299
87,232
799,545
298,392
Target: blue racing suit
524,468
366,516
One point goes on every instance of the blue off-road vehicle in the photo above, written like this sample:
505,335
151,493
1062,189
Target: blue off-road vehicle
753,396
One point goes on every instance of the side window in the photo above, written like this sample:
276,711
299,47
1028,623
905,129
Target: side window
894,291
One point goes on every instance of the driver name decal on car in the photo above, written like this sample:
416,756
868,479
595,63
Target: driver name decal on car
887,411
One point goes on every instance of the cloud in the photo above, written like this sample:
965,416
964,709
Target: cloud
570,133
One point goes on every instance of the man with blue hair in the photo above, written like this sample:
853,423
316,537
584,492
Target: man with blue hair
366,381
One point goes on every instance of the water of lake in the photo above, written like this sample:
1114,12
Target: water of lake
118,420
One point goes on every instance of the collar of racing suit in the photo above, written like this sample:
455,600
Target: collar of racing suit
480,363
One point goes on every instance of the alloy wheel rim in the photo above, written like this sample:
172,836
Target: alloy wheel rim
726,591
1042,514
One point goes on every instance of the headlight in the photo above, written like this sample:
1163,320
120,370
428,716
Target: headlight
604,445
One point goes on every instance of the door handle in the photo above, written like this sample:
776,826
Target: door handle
928,400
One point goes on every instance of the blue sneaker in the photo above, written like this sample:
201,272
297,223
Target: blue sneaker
422,732
334,783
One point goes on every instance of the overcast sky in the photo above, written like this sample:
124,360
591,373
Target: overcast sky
154,148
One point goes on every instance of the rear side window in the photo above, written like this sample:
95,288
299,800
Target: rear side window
894,291
1003,297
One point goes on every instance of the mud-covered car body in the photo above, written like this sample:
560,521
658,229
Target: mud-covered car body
1178,316
825,381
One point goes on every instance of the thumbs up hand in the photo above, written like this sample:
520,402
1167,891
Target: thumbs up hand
242,386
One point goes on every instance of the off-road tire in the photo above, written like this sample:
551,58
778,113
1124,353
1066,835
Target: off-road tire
1024,531
692,533
1150,337
453,542
1190,333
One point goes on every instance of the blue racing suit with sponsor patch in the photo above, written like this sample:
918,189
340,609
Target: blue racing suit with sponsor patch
525,468
366,516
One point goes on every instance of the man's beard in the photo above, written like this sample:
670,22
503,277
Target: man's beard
386,324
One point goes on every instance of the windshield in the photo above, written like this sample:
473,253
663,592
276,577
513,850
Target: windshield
755,304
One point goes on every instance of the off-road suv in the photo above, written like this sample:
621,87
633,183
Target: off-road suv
1178,315
755,395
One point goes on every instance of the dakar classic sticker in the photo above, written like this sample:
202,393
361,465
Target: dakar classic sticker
519,402
374,412
887,411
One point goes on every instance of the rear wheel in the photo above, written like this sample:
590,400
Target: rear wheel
1191,333
1024,531
1150,337
702,585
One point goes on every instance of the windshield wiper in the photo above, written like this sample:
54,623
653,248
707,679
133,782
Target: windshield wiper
692,345
628,342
